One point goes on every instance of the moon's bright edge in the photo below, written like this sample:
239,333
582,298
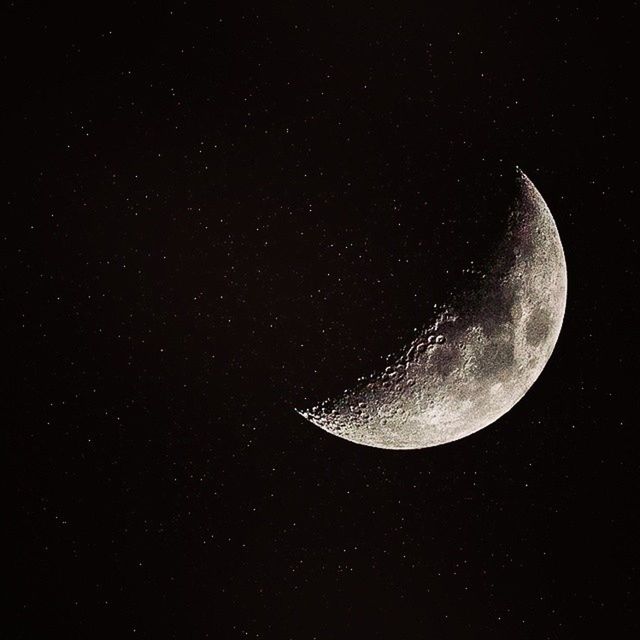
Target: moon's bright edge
476,356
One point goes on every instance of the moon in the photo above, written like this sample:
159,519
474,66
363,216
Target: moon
476,356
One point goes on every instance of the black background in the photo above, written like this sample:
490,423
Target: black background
215,215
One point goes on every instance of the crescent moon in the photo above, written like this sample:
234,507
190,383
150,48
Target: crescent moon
476,357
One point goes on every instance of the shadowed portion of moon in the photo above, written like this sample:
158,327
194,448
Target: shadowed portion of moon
477,355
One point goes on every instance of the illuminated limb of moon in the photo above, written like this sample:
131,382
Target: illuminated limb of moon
476,357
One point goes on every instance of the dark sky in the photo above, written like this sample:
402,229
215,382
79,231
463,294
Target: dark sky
212,215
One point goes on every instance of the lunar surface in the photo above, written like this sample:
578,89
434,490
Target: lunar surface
476,356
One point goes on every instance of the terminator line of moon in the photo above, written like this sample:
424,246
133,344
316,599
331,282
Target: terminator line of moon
476,357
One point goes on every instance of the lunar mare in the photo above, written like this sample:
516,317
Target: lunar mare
476,357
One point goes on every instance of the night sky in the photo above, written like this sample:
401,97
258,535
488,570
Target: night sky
213,216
